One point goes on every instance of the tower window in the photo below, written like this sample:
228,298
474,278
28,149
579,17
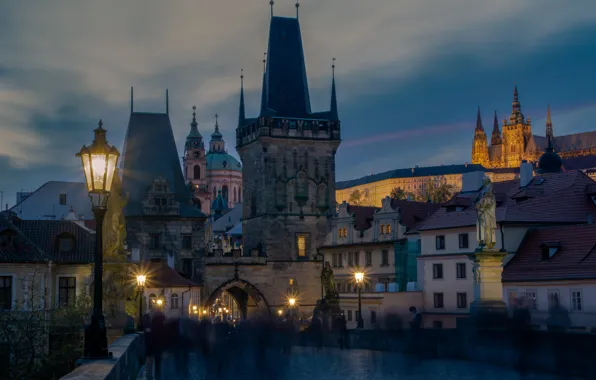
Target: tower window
224,192
62,199
197,172
302,244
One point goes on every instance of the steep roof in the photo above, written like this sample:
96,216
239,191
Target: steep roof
566,143
363,216
413,214
410,173
150,152
229,219
222,161
575,257
20,249
285,79
160,275
551,198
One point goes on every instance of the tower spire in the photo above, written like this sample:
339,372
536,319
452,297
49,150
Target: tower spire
333,112
516,114
549,125
496,136
264,92
216,123
131,99
479,121
167,102
297,9
271,5
241,113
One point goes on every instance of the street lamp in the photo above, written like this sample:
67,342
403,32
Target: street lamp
359,277
141,283
292,304
99,164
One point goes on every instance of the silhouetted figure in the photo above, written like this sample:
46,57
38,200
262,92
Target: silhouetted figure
557,323
158,340
415,327
522,326
343,331
316,330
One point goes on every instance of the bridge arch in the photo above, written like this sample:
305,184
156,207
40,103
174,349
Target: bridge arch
249,299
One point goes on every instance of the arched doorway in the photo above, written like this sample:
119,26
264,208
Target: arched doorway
237,299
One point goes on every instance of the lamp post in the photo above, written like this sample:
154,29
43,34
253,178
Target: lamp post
99,164
292,304
141,282
359,277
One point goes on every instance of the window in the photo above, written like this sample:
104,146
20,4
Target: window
462,300
553,298
186,241
197,172
340,259
512,298
368,258
531,295
152,298
174,301
154,241
62,199
438,300
224,192
350,259
463,241
382,229
437,324
388,229
67,289
235,196
65,244
460,269
5,292
334,260
367,286
7,238
384,257
576,300
440,242
302,244
345,232
349,315
373,316
349,287
187,266
356,259
437,271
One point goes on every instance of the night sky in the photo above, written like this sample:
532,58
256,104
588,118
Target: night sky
410,74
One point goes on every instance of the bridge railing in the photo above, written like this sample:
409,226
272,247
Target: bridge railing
128,356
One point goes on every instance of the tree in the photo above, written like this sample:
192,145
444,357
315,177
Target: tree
398,194
435,190
360,198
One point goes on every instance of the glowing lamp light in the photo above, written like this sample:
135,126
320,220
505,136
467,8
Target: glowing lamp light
195,307
159,302
359,277
99,164
280,312
292,301
219,309
141,280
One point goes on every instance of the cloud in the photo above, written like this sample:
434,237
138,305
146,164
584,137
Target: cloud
71,63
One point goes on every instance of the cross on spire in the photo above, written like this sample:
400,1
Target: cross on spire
297,8
333,68
216,120
271,5
194,113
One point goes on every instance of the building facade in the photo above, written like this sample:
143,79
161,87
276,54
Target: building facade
515,141
209,172
288,187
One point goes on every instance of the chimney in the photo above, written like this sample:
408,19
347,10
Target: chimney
526,173
472,181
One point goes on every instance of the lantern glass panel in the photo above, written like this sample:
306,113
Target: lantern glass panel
112,160
99,166
87,168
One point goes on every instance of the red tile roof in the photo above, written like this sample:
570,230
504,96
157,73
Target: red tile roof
363,216
575,258
552,198
160,275
413,214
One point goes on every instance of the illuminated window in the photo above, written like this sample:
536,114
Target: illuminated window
301,244
389,228
174,301
382,229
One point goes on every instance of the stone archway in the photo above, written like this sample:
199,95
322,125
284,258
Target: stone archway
249,299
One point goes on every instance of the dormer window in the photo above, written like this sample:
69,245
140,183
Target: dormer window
65,243
388,229
7,238
549,249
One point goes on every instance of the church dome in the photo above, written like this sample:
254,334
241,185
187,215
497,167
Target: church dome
222,161
550,162
219,204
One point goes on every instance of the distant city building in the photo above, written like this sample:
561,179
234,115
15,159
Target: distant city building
213,171
516,141
384,244
53,201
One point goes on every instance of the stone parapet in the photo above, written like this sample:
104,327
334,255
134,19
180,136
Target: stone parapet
128,356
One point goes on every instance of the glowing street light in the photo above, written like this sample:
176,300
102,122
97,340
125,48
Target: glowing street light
292,301
141,278
359,277
99,162
280,312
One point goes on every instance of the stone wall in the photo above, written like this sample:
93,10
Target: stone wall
128,357
571,353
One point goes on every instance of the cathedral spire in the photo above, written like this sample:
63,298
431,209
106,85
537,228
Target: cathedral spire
496,136
516,115
271,5
549,125
333,114
131,99
297,9
479,122
241,113
194,133
264,92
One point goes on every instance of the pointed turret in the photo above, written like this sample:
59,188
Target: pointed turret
264,97
479,122
333,114
549,126
496,136
480,145
217,143
241,113
516,115
194,139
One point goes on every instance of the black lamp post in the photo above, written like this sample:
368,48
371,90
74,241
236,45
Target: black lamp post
359,276
99,164
141,282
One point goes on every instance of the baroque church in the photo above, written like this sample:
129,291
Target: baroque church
516,142
211,173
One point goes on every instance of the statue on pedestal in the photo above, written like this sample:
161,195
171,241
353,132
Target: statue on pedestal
328,307
486,223
328,280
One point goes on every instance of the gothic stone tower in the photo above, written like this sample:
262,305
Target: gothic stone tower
517,132
195,165
288,155
480,147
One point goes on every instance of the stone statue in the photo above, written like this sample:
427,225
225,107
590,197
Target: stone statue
477,274
486,223
328,280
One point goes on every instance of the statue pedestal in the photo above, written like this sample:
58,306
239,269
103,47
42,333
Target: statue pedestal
329,311
488,309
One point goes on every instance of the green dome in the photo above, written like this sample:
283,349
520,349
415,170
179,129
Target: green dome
222,161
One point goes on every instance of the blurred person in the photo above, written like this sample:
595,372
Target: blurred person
557,324
343,331
415,327
522,326
158,340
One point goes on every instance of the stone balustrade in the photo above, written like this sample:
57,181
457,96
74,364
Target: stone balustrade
128,356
